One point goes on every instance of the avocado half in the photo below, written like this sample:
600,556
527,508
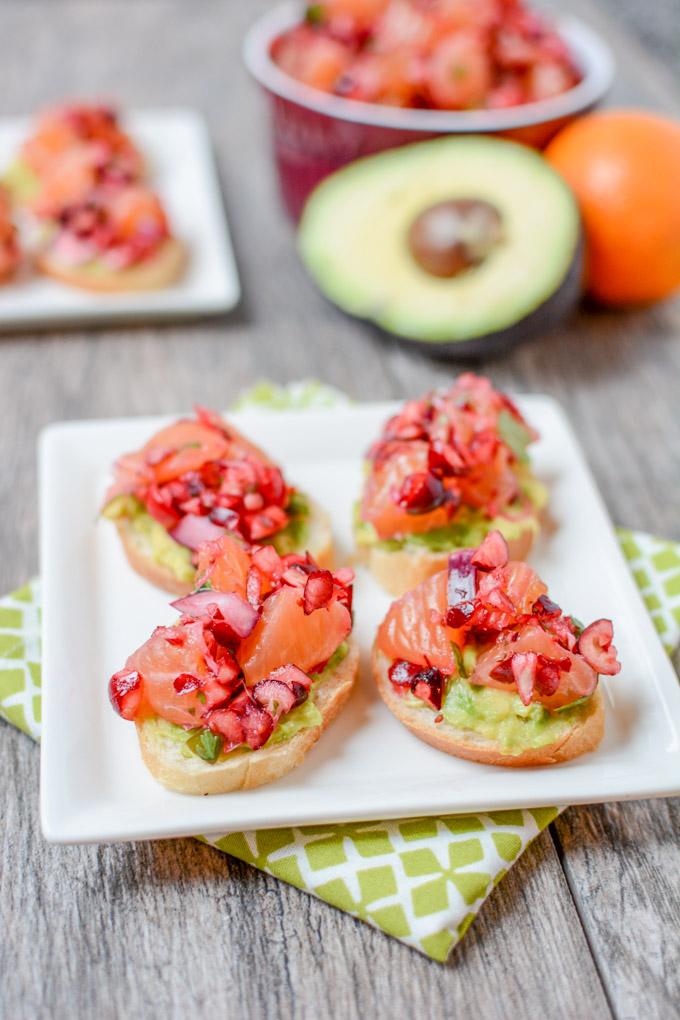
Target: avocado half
354,239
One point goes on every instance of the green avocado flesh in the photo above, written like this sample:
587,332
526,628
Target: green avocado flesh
467,530
176,558
353,238
501,717
202,743
153,537
20,180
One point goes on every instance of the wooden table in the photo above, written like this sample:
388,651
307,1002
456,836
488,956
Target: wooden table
586,925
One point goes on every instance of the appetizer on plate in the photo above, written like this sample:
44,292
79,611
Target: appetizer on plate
447,470
236,692
93,223
116,239
67,128
479,662
195,481
10,250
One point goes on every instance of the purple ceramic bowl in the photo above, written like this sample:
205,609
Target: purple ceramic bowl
315,133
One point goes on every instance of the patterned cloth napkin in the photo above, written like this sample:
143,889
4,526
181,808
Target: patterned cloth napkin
421,880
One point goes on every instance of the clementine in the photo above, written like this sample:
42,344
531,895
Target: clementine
624,167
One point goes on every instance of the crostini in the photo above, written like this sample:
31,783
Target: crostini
10,249
261,660
199,479
117,239
64,129
480,663
447,470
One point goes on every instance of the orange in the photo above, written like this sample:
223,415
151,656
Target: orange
284,634
414,630
624,167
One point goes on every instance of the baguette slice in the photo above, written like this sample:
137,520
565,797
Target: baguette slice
159,271
244,771
400,570
319,543
583,737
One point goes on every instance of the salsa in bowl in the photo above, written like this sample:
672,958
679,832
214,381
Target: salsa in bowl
338,90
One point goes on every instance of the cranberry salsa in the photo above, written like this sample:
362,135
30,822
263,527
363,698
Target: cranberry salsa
240,667
436,54
516,661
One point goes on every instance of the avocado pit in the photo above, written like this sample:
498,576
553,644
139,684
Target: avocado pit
449,237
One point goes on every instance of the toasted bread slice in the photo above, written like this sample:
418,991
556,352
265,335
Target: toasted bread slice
581,738
154,273
319,543
400,570
244,771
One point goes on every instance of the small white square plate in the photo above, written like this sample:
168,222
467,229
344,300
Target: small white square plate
94,786
176,145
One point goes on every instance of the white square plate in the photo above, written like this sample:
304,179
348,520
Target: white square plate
94,786
177,148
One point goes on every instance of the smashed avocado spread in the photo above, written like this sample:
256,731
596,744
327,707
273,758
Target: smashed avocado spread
501,716
467,531
167,553
150,534
202,743
293,537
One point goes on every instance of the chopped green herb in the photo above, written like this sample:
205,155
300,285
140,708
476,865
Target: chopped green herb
460,663
206,744
579,627
515,434
206,586
314,14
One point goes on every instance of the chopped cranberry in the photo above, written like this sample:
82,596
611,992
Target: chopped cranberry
223,516
419,493
483,447
524,666
125,692
403,673
503,672
272,486
595,645
492,553
267,560
318,591
444,460
546,608
185,683
276,696
548,675
561,628
160,508
291,675
228,725
216,692
428,685
268,522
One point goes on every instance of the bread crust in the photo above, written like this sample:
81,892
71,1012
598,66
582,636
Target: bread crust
400,570
581,739
162,269
246,771
319,544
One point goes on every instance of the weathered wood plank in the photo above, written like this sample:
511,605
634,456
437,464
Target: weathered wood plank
175,928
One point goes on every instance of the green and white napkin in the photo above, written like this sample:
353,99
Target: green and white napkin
421,880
